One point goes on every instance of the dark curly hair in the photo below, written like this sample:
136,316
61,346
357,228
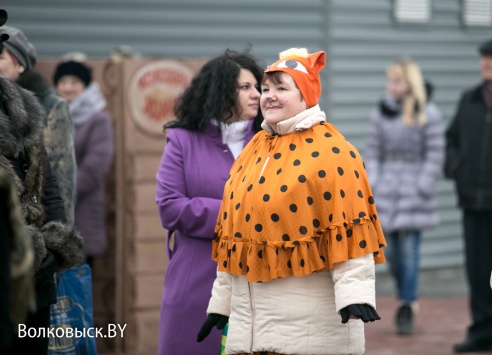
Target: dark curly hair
213,92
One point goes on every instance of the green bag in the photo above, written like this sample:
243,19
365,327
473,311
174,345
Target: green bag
223,340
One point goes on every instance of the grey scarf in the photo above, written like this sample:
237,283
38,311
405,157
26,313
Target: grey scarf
87,104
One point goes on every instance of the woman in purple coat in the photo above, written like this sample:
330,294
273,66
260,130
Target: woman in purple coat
94,151
216,116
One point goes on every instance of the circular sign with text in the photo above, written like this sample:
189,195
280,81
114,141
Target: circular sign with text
152,92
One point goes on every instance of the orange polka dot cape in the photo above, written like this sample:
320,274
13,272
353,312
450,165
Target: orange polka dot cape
296,204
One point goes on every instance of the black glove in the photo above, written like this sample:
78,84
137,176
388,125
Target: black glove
213,319
362,311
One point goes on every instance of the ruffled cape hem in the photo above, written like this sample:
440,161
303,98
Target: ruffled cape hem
262,261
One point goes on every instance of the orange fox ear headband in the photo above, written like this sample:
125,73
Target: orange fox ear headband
304,69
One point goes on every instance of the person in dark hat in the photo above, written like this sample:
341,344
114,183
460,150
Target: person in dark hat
468,163
76,78
17,62
94,150
56,245
486,48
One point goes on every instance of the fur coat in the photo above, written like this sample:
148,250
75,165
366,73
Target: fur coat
58,133
16,260
57,245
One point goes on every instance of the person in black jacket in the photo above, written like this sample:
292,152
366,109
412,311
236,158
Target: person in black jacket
57,245
469,163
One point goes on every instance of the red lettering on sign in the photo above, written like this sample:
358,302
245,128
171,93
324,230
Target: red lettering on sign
162,76
158,108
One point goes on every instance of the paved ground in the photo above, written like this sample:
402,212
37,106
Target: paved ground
441,322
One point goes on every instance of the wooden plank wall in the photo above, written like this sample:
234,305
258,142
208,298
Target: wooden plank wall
128,280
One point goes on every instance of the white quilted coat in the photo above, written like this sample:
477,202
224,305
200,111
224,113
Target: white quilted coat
296,315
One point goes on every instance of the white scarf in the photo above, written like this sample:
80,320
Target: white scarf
303,120
234,135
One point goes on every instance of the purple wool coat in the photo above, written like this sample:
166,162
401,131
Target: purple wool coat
190,184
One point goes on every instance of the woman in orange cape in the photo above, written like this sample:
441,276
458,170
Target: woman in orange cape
298,235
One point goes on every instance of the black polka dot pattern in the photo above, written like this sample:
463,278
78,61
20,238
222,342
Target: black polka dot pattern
306,198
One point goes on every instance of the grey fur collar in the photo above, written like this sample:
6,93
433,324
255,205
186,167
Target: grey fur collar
21,119
21,130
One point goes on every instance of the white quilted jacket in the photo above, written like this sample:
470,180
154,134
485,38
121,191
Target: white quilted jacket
296,315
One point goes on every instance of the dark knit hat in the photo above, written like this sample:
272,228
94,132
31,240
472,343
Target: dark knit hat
74,68
486,48
3,36
19,46
3,17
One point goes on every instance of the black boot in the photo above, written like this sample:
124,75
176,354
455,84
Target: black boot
470,346
404,319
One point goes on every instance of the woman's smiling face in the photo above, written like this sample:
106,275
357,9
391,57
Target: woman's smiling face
280,99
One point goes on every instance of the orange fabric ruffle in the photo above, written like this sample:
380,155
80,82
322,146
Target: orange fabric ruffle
296,204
